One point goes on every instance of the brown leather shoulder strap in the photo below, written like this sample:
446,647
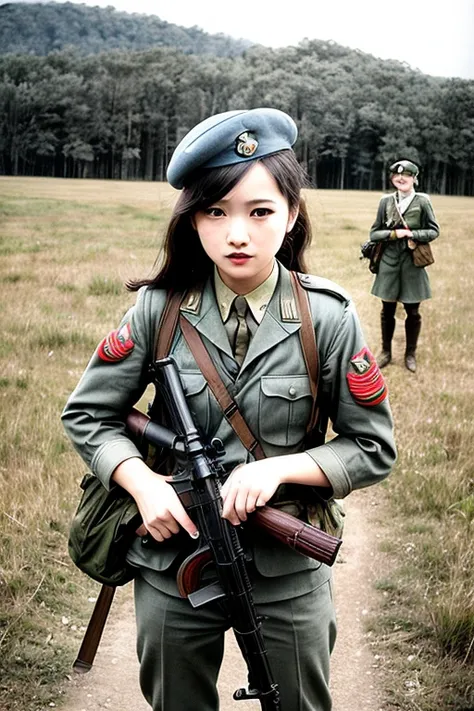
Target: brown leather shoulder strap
168,323
308,344
227,404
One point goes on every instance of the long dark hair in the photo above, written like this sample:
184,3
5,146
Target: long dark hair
182,262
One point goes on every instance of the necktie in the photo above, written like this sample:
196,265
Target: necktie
239,337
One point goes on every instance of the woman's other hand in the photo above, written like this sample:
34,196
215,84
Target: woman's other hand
249,486
403,232
252,485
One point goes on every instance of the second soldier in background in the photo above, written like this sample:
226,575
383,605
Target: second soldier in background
404,220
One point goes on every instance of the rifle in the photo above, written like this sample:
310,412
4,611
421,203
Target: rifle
197,484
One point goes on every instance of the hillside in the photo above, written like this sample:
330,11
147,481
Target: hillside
95,93
41,28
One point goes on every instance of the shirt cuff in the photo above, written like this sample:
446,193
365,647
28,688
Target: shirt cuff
333,467
107,458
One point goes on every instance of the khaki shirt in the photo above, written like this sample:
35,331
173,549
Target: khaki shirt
257,300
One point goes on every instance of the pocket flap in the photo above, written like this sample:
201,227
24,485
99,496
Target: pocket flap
193,382
290,387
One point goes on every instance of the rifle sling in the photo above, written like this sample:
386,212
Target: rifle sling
308,346
169,321
227,404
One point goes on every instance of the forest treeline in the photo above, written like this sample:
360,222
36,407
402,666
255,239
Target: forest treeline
41,28
119,114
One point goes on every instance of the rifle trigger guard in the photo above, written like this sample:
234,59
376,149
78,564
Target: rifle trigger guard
243,694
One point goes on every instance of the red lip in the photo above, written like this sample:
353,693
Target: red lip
238,257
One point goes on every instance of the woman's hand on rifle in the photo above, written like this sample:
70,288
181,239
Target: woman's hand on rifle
159,505
252,485
249,486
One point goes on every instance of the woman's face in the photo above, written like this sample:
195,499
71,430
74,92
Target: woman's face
244,230
403,182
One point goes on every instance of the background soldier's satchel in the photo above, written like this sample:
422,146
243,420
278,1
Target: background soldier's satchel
422,255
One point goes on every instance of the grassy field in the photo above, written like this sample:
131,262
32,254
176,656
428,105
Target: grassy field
66,248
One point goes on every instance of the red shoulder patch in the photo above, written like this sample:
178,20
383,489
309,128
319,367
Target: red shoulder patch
117,345
366,383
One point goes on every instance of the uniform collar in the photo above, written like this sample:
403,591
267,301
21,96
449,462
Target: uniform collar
280,319
404,201
258,299
405,196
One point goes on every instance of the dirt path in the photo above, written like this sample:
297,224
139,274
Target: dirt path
113,681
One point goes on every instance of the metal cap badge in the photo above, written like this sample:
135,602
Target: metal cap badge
246,144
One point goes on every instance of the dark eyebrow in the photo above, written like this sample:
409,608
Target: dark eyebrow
255,201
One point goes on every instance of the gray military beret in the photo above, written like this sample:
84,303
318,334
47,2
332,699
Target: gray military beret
231,137
404,166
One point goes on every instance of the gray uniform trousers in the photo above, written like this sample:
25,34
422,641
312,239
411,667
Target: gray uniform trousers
180,649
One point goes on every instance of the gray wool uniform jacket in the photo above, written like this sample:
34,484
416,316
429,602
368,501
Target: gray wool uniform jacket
272,391
398,279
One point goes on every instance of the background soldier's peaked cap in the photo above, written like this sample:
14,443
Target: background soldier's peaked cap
404,166
231,137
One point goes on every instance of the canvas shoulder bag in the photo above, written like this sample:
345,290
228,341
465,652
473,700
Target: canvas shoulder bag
104,524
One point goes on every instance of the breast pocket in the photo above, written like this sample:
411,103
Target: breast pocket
197,396
413,217
284,408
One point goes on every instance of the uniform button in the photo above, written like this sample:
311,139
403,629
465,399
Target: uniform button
292,391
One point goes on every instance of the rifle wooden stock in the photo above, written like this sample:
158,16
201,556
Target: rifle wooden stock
304,538
87,652
143,428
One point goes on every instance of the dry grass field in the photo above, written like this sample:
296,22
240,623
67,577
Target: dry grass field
66,248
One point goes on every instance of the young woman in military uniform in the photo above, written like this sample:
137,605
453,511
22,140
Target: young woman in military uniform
238,227
404,218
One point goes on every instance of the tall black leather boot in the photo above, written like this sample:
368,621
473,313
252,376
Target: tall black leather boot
412,331
387,322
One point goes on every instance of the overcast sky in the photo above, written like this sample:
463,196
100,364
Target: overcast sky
433,36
